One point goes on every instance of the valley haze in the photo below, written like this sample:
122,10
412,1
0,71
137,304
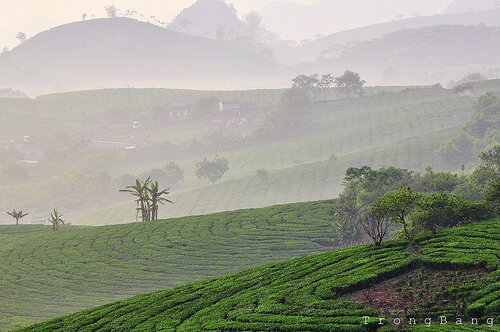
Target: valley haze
220,165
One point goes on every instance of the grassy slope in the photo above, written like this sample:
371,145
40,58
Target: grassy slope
46,274
301,294
402,129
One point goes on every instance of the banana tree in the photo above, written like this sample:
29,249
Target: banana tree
139,190
17,215
56,219
156,198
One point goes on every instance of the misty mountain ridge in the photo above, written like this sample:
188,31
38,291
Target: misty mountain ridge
425,54
123,51
321,47
292,20
460,6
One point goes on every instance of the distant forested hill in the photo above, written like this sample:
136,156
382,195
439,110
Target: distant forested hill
320,46
122,51
459,6
425,54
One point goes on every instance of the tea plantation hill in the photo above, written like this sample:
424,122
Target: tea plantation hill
46,274
389,126
305,294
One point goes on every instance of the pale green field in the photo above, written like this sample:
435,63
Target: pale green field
400,126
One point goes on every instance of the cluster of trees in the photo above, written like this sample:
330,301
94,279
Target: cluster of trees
293,109
148,195
148,198
375,201
464,88
350,83
480,132
467,80
171,174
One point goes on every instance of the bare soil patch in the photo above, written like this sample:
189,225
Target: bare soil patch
420,291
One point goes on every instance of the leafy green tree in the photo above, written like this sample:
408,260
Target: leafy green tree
309,84
174,174
442,210
369,184
458,151
350,83
213,170
485,101
491,159
435,211
437,181
56,220
493,194
17,215
397,205
486,117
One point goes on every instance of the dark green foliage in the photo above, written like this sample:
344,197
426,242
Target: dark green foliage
396,205
437,181
174,174
491,159
213,170
306,84
350,83
493,192
442,210
302,294
463,88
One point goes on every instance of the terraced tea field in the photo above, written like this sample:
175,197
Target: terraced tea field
388,126
91,102
47,274
403,129
304,294
309,182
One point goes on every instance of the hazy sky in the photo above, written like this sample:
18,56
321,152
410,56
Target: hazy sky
33,16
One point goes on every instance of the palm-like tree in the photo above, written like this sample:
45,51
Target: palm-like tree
56,219
139,190
156,198
17,215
